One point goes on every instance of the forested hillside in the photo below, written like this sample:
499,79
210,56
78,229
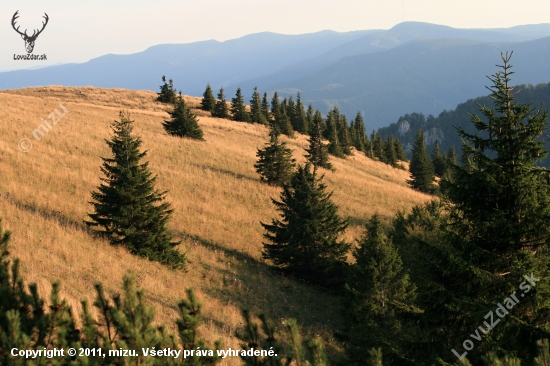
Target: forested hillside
217,197
268,233
441,128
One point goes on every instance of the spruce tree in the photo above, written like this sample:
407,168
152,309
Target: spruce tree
290,109
331,133
377,147
304,242
220,109
265,108
332,121
317,153
284,105
344,136
390,156
421,167
167,91
450,160
439,160
281,121
275,111
494,241
299,118
285,126
309,116
275,105
256,113
358,134
380,294
451,156
128,209
400,150
208,101
183,122
502,198
275,163
238,109
372,146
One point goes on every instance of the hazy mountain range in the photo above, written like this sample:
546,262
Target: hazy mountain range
413,67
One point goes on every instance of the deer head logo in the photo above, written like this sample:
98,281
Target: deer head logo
29,40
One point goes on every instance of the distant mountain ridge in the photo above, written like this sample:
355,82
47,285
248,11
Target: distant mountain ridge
382,73
190,65
385,40
427,76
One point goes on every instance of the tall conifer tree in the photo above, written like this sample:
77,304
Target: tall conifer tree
450,160
491,259
332,120
451,156
275,112
377,146
358,134
128,209
167,91
344,135
305,240
380,294
309,116
284,106
299,120
208,101
421,167
256,113
317,153
265,108
400,150
275,164
220,109
332,135
439,160
373,139
281,121
290,110
390,156
238,109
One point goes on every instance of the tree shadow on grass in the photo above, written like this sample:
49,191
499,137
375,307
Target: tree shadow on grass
33,208
226,172
249,283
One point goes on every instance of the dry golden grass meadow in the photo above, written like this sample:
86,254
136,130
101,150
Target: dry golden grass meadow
218,203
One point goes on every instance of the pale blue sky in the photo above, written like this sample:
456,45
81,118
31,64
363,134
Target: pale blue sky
80,30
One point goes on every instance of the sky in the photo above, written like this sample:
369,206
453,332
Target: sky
81,30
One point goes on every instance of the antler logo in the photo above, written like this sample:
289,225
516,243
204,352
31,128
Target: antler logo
29,40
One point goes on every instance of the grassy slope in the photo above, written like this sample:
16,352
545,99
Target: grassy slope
214,190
